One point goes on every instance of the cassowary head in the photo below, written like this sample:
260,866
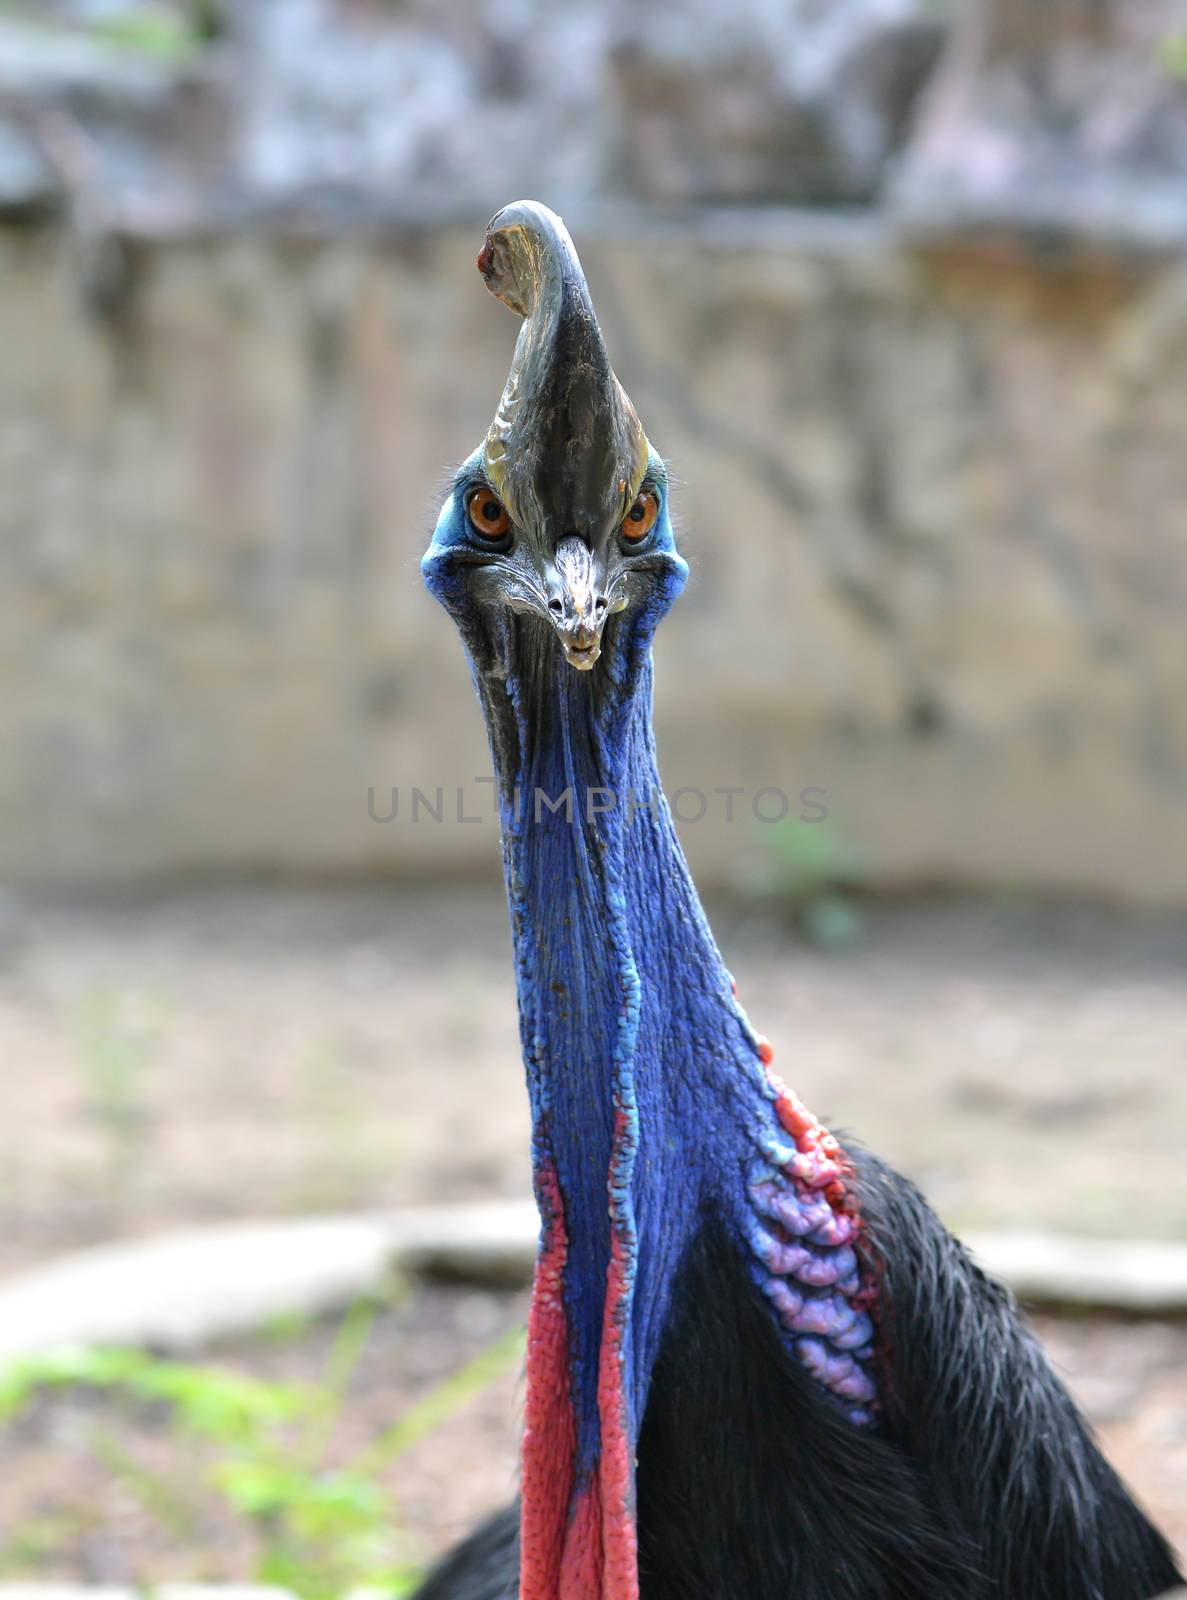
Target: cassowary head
560,517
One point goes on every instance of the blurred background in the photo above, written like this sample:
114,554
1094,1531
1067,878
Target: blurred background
899,288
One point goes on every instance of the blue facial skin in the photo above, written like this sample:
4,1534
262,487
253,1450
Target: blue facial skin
648,1094
452,535
455,544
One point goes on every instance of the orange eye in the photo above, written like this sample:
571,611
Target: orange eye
640,519
488,515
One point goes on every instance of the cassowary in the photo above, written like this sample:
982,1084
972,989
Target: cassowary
758,1367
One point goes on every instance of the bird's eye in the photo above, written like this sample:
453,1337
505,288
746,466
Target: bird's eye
488,515
640,519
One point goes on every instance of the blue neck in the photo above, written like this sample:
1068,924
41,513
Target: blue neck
618,975
649,1092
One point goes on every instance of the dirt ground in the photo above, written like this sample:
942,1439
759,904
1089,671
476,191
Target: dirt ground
257,1050
266,1051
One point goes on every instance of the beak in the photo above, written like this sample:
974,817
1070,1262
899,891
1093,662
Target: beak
566,451
577,604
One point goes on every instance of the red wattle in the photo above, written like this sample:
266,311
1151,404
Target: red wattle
616,1474
581,1569
601,1547
549,1434
576,1542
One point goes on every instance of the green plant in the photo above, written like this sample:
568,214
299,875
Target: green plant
168,31
155,31
1172,55
319,1529
117,1035
811,865
336,1168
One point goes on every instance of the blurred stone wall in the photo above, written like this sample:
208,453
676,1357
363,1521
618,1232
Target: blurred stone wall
931,446
935,500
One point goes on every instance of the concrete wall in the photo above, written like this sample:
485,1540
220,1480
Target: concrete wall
936,506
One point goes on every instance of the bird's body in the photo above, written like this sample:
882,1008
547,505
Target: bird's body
758,1367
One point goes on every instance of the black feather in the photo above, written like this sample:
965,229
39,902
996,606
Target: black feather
981,1482
969,1392
485,1566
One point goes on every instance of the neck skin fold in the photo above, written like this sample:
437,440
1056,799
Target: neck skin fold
652,1107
